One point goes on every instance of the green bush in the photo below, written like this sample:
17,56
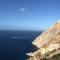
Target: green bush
55,57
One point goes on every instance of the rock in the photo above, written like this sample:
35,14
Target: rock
48,43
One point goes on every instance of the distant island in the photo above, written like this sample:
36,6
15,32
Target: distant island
48,44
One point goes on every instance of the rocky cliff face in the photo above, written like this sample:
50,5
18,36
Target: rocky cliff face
48,43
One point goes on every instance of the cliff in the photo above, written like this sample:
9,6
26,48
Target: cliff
48,43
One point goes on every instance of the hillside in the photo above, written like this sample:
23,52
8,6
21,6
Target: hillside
48,44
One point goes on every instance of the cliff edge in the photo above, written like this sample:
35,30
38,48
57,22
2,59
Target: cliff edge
48,43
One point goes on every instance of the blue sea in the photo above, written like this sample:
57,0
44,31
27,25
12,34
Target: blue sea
15,44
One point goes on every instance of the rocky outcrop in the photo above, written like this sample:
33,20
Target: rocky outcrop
48,43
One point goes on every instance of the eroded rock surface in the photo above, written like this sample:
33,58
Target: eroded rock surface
48,43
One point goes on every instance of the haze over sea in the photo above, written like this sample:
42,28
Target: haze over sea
15,44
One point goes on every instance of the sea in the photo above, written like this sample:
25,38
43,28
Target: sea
15,44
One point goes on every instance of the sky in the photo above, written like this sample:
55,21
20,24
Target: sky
28,14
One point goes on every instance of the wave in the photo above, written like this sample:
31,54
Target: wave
20,37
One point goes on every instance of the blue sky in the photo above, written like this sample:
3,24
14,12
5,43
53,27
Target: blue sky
28,14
